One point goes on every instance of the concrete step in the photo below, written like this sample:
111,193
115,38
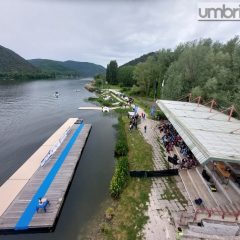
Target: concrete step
192,192
202,189
236,205
235,186
188,234
218,196
228,190
233,208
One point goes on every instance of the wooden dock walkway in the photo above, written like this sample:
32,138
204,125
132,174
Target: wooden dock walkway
50,181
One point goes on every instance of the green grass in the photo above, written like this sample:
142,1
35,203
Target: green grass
129,211
140,152
101,101
110,86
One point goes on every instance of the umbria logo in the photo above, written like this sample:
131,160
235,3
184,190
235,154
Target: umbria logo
219,11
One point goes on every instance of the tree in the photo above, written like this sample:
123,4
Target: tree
111,73
125,76
204,68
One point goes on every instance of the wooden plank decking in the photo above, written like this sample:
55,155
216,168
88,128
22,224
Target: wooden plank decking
56,191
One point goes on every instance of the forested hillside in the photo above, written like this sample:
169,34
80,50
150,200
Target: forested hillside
83,69
14,67
143,58
47,65
12,62
204,68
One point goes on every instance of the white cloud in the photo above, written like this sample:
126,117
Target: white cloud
98,31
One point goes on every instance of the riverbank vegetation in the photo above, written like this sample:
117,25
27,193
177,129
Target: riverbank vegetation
121,148
23,76
205,68
128,209
101,100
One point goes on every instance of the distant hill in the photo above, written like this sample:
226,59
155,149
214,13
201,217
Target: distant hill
47,65
14,67
12,62
84,69
143,58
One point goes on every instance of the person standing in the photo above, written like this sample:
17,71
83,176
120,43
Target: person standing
179,233
145,128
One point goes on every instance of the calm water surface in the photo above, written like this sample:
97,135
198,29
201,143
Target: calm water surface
29,114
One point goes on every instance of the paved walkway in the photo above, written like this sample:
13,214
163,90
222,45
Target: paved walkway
163,200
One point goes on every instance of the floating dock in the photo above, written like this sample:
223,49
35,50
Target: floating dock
97,108
90,108
46,174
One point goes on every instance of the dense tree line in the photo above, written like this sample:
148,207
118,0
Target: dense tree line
204,68
22,76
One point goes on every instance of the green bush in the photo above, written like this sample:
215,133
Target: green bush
160,115
92,99
101,101
135,90
120,177
121,147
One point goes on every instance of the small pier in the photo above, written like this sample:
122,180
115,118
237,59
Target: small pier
90,108
98,108
46,174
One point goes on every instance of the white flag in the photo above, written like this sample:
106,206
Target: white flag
163,83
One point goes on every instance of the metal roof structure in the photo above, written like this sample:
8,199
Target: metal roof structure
209,135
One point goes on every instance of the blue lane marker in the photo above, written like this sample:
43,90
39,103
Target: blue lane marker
27,215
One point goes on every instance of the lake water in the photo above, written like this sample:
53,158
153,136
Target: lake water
29,114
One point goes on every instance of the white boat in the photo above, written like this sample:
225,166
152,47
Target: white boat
105,109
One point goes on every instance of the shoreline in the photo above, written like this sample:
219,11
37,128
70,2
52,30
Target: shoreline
132,214
90,86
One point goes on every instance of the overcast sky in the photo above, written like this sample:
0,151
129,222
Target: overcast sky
98,31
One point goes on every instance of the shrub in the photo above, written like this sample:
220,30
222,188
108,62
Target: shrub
109,213
160,115
104,228
120,177
135,90
121,147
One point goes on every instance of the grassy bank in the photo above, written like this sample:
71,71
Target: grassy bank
128,210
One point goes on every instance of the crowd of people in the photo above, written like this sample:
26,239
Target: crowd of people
134,120
133,123
170,139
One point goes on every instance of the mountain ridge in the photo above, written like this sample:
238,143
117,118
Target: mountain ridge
142,58
13,66
84,69
12,62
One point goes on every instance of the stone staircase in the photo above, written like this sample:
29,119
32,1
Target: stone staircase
210,229
215,204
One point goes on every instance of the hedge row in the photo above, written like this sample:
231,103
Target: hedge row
121,147
120,177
